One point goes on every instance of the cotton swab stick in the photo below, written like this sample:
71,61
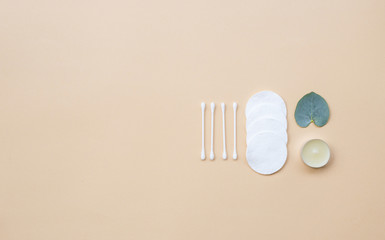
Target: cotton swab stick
235,106
203,152
212,131
224,154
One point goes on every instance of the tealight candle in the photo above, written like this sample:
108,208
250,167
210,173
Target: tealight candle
315,153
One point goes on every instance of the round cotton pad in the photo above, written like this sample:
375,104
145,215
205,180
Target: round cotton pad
266,111
262,109
266,125
266,153
265,97
282,135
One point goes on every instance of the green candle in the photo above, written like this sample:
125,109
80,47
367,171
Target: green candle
315,153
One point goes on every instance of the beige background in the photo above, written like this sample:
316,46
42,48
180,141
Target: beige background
100,119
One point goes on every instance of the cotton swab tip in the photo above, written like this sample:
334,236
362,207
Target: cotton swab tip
212,156
223,106
212,106
235,105
203,105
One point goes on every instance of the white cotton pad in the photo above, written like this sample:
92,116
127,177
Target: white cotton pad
251,122
265,97
266,110
266,153
266,125
282,135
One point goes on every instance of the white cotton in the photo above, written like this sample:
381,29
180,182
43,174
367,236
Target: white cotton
263,111
266,138
266,153
266,125
265,97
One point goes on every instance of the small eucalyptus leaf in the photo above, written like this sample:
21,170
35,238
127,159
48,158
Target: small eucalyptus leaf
312,108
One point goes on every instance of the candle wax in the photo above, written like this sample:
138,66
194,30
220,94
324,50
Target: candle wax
315,153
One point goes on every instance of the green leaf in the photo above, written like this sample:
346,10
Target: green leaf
312,108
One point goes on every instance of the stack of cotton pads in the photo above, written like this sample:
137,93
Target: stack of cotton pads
266,127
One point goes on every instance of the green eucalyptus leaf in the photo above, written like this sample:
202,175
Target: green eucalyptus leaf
312,108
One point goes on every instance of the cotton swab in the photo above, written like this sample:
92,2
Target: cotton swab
212,131
203,152
224,154
235,106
